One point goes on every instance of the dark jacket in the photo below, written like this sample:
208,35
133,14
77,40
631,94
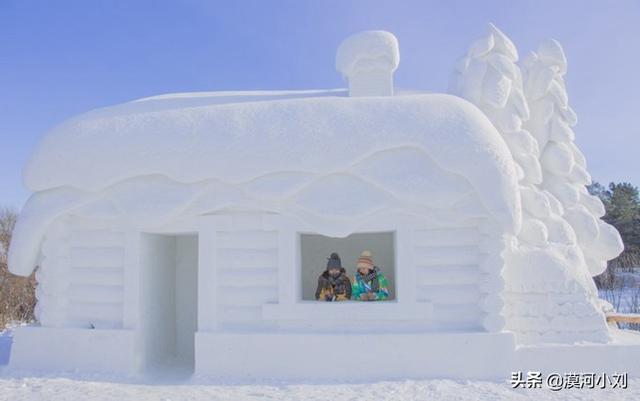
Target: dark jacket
333,289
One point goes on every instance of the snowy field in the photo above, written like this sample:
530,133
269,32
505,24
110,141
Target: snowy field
53,389
5,347
625,296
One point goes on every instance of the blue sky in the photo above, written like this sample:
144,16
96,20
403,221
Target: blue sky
61,58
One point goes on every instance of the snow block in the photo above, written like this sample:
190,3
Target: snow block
621,356
368,60
58,349
246,356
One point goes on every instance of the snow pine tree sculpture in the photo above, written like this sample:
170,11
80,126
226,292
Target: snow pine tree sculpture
564,166
489,77
550,294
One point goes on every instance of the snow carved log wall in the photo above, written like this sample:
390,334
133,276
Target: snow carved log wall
81,276
458,270
247,272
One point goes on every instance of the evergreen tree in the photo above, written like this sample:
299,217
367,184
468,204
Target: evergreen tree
622,204
597,189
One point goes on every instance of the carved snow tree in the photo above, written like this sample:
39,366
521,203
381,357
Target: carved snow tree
564,165
561,244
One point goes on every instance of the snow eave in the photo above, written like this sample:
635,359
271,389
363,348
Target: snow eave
237,142
308,131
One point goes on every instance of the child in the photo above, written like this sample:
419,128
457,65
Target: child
369,283
333,283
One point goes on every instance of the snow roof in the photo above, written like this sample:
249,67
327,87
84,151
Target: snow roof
329,155
237,137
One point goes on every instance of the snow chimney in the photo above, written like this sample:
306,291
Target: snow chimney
367,60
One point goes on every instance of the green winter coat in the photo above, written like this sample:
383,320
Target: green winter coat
377,286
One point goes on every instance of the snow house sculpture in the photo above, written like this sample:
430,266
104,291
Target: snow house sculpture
189,229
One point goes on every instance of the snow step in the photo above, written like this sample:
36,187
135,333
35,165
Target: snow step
94,311
247,239
229,296
96,239
447,237
248,258
95,293
251,277
98,257
458,294
453,255
97,275
448,275
240,313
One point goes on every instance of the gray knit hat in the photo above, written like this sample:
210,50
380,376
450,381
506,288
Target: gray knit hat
334,261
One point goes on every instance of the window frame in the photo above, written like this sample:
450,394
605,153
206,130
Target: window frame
291,306
300,290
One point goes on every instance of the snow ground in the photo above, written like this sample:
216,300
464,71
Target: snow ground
36,386
626,297
25,388
5,346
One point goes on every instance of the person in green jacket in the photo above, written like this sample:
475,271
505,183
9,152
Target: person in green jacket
369,284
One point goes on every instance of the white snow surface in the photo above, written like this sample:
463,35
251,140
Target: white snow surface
236,142
367,51
564,167
562,242
37,388
327,159
336,161
5,345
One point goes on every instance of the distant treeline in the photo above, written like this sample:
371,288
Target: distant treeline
17,294
622,205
